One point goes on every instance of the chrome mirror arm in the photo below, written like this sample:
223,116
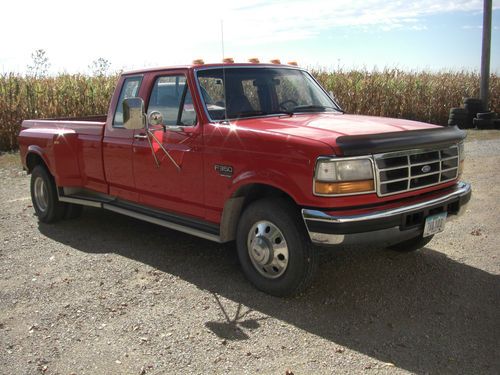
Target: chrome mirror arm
149,133
163,149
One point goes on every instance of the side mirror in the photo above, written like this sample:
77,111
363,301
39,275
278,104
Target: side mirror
133,113
155,118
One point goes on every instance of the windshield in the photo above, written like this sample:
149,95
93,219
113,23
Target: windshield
254,92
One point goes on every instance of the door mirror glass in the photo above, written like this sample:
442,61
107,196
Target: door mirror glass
133,113
155,118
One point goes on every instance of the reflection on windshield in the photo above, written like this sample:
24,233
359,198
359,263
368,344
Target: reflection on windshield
254,92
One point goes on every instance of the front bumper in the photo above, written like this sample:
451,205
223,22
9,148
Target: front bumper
385,224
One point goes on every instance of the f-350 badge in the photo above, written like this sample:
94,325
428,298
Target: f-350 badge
224,170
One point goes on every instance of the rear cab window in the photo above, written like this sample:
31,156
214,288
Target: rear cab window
130,89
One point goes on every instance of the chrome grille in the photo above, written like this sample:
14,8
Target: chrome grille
402,171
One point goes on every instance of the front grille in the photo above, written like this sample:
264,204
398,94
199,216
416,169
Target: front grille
402,171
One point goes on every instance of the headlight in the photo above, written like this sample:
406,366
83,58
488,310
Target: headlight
343,176
461,156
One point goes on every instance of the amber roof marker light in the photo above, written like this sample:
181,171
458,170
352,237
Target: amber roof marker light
293,63
228,60
275,61
253,60
198,62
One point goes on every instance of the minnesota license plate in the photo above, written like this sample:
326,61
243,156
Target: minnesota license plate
434,224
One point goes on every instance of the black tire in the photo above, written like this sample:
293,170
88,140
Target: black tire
466,123
44,196
413,244
459,122
484,124
473,106
487,116
473,101
458,116
458,111
73,211
302,260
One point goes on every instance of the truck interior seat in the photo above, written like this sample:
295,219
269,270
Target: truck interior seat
238,104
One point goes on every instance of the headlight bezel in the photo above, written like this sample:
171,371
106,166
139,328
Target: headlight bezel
326,159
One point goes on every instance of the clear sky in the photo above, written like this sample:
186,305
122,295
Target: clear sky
411,34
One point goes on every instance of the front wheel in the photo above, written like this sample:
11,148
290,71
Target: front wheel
273,249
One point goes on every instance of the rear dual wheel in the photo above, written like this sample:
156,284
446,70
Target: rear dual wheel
46,203
273,249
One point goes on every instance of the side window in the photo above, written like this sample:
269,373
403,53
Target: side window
172,98
130,89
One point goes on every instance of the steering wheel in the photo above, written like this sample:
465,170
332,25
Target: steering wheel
290,101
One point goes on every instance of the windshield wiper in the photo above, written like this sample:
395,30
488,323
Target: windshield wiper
312,108
249,114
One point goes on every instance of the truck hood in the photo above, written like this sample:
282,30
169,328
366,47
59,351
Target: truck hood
328,127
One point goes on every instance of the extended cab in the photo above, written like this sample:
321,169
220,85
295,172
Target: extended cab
259,154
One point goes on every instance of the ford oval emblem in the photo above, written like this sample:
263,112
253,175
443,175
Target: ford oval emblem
426,169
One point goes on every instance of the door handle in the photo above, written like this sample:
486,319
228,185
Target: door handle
141,136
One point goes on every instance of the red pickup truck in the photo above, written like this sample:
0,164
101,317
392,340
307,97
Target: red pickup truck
254,153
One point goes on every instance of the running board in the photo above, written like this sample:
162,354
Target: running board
146,214
78,200
163,223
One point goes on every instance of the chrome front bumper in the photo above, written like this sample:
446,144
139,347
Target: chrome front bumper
384,226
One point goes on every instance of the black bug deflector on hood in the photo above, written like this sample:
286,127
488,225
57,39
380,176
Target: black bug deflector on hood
354,145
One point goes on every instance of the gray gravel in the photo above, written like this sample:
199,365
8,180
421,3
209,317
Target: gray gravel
108,294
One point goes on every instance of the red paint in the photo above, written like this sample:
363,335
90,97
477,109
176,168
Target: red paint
277,151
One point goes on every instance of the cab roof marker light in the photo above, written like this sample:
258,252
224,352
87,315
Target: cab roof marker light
275,61
228,60
198,62
293,63
253,60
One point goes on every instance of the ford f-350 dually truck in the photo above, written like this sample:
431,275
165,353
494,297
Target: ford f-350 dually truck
259,154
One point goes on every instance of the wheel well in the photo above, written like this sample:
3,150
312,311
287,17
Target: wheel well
240,200
254,192
32,160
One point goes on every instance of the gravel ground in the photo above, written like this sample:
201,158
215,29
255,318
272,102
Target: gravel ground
108,294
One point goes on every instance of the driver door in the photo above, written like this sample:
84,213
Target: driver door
176,184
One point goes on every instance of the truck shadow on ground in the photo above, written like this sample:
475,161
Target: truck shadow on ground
423,312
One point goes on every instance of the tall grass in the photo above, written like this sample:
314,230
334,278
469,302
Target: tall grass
61,96
421,96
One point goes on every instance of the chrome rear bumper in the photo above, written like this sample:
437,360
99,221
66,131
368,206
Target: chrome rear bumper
384,226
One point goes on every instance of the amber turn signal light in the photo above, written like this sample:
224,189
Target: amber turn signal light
349,187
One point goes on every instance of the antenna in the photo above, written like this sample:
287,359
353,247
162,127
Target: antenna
223,70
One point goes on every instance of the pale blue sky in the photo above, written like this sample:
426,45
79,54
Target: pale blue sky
423,34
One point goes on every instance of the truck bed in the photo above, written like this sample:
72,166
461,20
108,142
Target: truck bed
71,145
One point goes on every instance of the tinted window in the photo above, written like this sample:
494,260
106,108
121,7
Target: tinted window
130,89
172,98
260,91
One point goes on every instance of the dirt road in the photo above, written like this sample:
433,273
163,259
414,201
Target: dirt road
106,294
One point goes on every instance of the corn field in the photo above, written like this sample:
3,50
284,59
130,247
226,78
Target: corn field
61,96
422,96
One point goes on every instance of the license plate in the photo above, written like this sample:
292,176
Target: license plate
434,224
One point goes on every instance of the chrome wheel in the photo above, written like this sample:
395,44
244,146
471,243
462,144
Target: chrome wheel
41,194
267,249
